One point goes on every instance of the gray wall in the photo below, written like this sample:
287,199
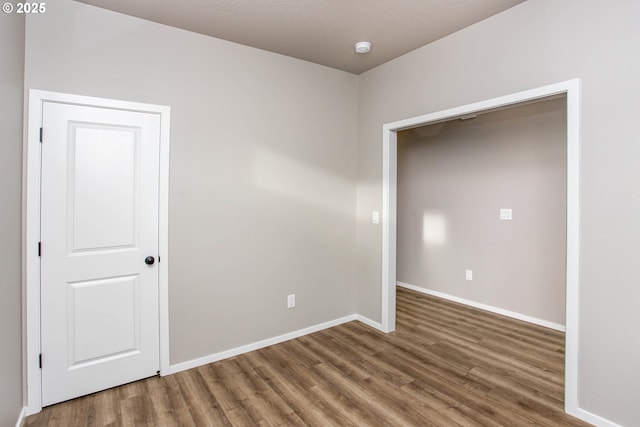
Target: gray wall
11,81
533,44
454,177
262,168
263,161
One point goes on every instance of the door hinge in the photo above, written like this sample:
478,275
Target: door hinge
40,360
40,134
158,258
39,248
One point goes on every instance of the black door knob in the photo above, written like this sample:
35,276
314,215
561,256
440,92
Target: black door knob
149,260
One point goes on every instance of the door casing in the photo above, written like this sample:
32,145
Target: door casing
31,230
570,89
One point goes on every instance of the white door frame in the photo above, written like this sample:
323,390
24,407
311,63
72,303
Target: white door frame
570,88
31,191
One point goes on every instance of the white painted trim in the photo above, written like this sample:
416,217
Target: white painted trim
163,238
572,325
32,262
21,417
370,322
389,187
485,307
31,186
594,419
571,88
194,363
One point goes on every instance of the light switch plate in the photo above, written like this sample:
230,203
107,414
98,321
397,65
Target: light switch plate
375,217
506,214
291,301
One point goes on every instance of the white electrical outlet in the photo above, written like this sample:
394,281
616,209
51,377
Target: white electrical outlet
468,274
291,301
506,214
375,217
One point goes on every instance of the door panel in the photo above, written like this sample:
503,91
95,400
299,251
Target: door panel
94,334
99,221
102,212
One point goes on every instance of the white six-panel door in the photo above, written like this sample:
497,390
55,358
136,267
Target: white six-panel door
99,224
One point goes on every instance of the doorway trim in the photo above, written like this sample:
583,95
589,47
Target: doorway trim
31,239
570,88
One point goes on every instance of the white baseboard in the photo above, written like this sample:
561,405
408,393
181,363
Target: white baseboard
497,310
594,419
21,417
369,322
183,366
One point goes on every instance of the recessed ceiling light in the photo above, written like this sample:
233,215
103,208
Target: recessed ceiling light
363,47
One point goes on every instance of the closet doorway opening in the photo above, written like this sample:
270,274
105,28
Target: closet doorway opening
568,90
482,211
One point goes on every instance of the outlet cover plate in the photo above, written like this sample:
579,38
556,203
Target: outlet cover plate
506,214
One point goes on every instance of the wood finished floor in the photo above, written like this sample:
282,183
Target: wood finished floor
446,365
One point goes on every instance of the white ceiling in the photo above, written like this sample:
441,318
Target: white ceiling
320,31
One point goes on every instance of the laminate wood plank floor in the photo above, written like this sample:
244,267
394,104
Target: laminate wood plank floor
446,365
